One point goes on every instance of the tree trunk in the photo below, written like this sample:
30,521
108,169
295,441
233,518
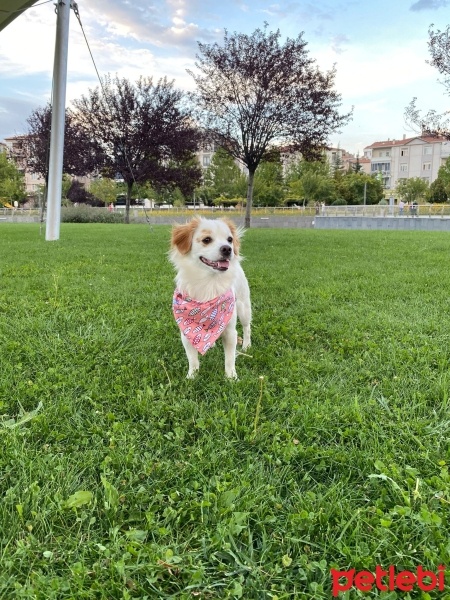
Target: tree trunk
248,208
127,206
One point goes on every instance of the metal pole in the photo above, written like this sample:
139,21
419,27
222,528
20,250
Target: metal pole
55,168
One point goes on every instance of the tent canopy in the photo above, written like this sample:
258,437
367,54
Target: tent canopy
11,9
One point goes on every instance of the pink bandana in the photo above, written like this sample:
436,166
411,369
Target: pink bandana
202,322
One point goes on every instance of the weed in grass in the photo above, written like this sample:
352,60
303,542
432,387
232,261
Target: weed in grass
121,479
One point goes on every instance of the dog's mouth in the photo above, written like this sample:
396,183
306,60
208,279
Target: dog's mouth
218,265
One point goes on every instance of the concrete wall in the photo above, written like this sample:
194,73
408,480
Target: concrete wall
271,221
20,219
294,222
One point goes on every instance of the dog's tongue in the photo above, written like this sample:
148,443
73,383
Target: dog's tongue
223,264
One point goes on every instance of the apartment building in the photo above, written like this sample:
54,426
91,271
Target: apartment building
206,152
16,148
332,155
419,156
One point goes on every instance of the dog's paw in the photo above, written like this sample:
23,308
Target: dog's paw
231,375
192,374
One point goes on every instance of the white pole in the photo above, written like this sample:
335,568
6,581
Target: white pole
55,168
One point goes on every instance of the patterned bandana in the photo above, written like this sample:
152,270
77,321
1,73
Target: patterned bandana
202,322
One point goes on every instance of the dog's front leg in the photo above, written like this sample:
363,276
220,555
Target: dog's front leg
229,345
192,356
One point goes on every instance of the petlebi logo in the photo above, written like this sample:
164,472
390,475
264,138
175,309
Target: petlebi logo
389,579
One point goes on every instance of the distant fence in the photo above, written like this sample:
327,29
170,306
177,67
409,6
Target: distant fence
138,213
378,210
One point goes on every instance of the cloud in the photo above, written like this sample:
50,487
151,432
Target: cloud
337,43
428,5
171,27
303,12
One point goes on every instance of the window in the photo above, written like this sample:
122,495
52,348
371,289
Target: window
206,160
404,167
426,166
404,152
428,150
379,166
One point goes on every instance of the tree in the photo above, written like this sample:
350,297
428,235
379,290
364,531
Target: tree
432,123
354,188
310,181
412,190
224,177
81,155
337,165
254,92
12,186
145,132
79,194
438,192
269,185
444,174
440,188
357,166
316,187
66,185
104,189
439,47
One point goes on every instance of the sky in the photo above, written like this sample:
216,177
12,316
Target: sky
379,49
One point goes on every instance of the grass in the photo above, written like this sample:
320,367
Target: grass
120,479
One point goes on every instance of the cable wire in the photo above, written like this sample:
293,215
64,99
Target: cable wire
74,6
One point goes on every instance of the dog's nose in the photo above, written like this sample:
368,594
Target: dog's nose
225,250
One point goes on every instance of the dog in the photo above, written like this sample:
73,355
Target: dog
212,290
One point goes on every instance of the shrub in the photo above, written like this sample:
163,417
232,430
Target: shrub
227,202
87,214
339,202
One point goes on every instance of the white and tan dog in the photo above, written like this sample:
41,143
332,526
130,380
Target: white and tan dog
211,289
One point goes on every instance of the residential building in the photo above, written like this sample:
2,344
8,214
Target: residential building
333,156
17,150
419,156
350,161
205,154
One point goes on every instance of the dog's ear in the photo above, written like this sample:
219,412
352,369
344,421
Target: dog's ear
236,232
182,236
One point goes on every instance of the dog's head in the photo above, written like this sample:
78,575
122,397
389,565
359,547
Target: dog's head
212,244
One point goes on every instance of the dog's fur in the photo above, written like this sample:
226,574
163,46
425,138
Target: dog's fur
205,254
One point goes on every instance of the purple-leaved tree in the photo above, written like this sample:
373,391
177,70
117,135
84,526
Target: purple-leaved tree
254,93
145,132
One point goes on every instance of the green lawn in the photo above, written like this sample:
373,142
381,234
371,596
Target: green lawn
120,479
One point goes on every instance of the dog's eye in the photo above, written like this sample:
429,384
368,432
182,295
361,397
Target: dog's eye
230,239
207,240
